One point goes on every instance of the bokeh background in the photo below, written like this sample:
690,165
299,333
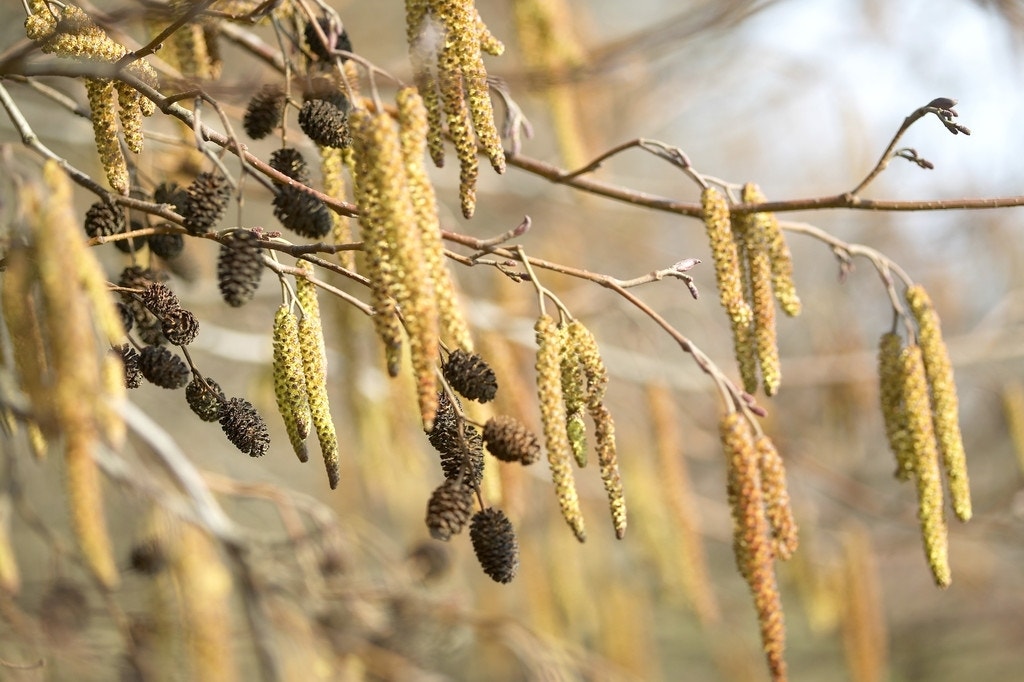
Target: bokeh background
798,96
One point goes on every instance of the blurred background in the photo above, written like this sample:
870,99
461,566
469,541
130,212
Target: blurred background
800,97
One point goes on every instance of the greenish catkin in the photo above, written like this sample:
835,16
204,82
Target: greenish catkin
926,464
944,401
290,381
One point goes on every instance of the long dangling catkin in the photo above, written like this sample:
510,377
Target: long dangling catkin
1013,408
724,253
552,412
596,374
204,588
76,359
314,366
129,110
422,36
945,405
926,464
890,383
751,537
332,165
779,255
776,499
460,126
101,106
290,381
754,228
413,119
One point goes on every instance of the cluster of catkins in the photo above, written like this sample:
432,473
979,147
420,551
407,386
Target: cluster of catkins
752,267
921,412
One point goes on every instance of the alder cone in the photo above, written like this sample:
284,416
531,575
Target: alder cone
244,427
471,376
206,200
163,368
495,545
203,402
325,123
289,161
302,213
449,509
103,219
264,111
239,268
509,440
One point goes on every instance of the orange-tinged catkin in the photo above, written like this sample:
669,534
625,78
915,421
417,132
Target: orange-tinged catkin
290,381
776,499
891,379
314,367
754,233
102,96
944,401
412,119
926,464
724,252
552,412
751,537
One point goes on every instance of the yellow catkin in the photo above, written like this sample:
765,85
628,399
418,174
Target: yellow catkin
573,385
314,367
863,624
488,42
412,117
608,461
683,506
424,37
944,401
1013,406
552,411
129,110
890,384
373,217
725,255
591,363
926,464
75,353
204,588
759,274
188,46
779,255
751,537
776,499
21,316
397,249
290,381
460,129
332,166
481,109
102,96
10,576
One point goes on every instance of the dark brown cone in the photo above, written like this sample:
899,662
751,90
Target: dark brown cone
132,244
163,368
302,213
325,123
244,427
264,111
239,268
159,299
509,440
180,327
171,193
316,46
449,509
147,324
289,161
104,220
132,371
167,246
207,198
470,376
495,545
459,456
205,403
